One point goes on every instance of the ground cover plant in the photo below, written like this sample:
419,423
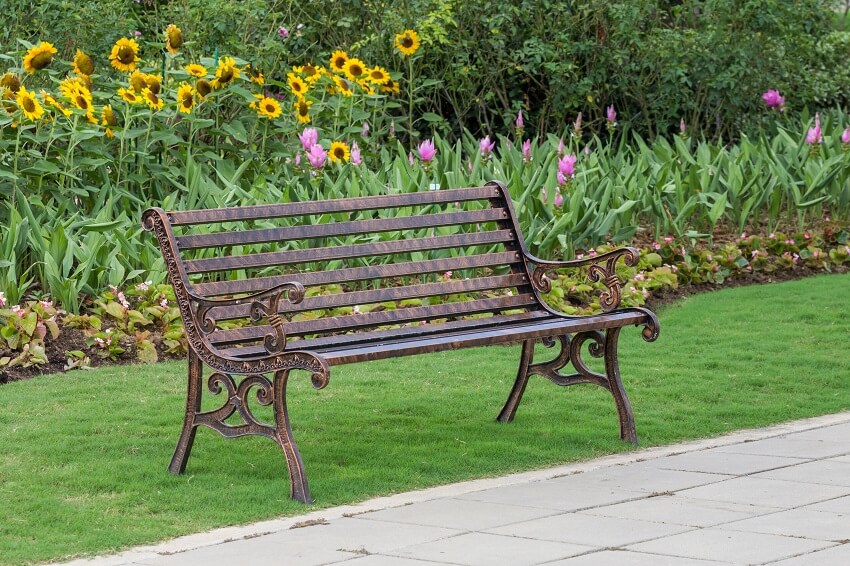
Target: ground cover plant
83,456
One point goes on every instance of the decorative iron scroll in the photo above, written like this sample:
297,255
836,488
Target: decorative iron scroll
607,273
571,352
237,401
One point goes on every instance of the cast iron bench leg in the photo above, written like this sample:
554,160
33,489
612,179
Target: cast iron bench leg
509,410
615,385
298,488
193,406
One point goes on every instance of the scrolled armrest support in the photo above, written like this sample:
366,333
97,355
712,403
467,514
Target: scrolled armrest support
597,272
262,304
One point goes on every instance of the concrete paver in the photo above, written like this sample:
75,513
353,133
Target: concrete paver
779,495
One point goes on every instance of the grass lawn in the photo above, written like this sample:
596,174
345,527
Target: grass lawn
83,455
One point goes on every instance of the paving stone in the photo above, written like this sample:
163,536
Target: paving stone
590,530
833,433
766,492
458,514
791,446
829,472
629,558
832,556
715,462
257,551
481,549
837,505
730,546
679,510
842,459
558,495
382,560
639,477
802,522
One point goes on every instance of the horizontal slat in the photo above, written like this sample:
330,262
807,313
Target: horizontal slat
373,319
284,233
351,251
351,274
330,206
381,295
354,339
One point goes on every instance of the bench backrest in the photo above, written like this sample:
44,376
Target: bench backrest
378,261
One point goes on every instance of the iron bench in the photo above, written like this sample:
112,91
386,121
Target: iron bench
256,263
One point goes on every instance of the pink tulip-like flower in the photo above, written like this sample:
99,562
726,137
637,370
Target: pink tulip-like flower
486,147
577,124
365,130
815,135
137,34
469,166
520,123
560,147
298,159
668,239
317,156
682,127
447,275
410,158
526,150
567,165
562,179
543,195
309,137
2,299
559,199
283,32
356,158
772,99
611,114
427,151
656,246
845,137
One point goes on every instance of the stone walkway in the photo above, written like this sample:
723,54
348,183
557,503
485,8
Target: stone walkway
771,496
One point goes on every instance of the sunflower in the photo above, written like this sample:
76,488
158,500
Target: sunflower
48,99
196,70
138,81
343,87
268,107
10,82
185,98
339,152
39,57
173,38
302,110
154,83
367,87
338,60
378,75
82,99
128,95
152,100
125,54
204,87
256,76
407,42
311,73
225,73
29,105
83,64
297,84
391,87
109,120
354,68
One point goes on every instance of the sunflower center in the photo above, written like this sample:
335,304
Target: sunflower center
226,76
126,55
270,107
303,109
29,104
42,60
309,70
356,70
296,87
187,100
407,42
339,62
81,102
339,153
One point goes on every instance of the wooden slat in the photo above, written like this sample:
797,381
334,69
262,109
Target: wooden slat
347,341
374,319
330,206
381,295
351,274
350,251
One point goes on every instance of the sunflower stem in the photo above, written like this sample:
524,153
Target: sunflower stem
410,98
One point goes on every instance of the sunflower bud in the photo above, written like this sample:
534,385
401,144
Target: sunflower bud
108,116
83,64
11,81
173,38
203,87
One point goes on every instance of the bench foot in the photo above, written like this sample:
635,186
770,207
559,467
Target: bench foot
601,345
298,488
193,406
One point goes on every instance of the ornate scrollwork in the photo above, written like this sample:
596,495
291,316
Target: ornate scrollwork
237,401
571,352
607,273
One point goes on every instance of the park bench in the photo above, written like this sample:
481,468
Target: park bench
242,278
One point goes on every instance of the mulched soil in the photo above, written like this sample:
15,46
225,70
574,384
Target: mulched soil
74,339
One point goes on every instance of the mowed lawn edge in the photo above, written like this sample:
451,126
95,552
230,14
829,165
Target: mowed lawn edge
83,455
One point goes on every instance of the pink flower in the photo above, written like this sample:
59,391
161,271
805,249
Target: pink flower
559,199
806,235
356,159
743,235
486,147
447,275
121,299
163,302
755,253
283,32
773,99
561,147
587,150
789,241
845,137
520,124
562,179
682,127
427,151
365,130
772,235
668,239
815,135
298,159
469,166
18,311
138,34
592,253
410,158
567,165
656,246
317,156
578,256
2,299
144,286
816,254
526,150
611,114
309,137
577,124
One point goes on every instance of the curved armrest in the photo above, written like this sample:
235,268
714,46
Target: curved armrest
262,304
610,299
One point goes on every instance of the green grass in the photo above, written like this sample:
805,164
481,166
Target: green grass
83,455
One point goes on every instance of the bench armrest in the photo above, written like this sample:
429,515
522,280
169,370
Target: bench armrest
262,304
607,273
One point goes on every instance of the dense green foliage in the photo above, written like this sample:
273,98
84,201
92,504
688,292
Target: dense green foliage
656,61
